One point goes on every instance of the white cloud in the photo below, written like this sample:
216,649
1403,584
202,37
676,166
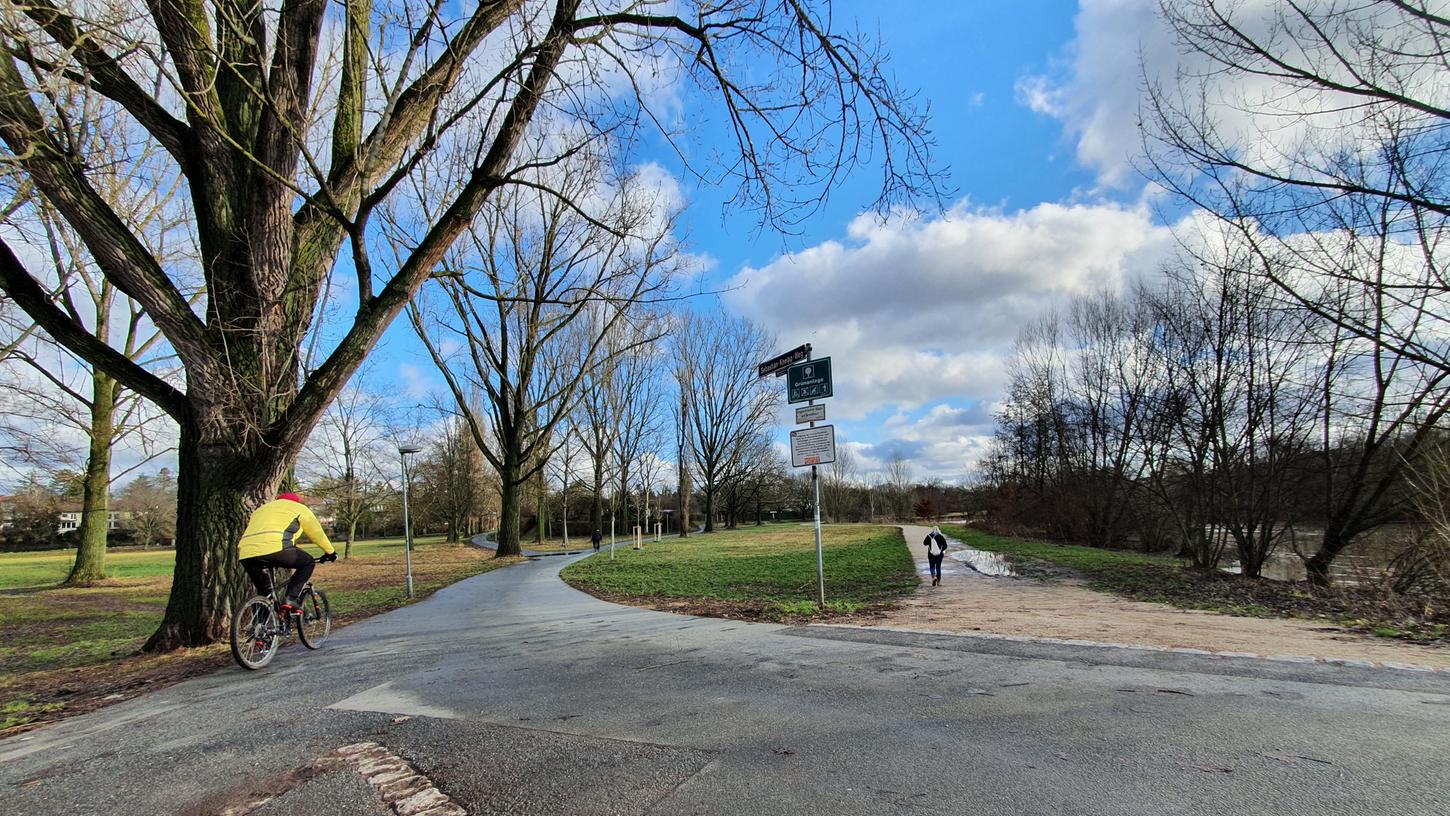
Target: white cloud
416,384
916,311
919,315
1097,87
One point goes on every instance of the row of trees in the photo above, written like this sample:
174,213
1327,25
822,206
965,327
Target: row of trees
313,165
1290,368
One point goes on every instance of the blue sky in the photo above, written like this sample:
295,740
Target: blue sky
1032,107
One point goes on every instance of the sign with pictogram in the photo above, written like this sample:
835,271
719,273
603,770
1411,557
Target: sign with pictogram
809,380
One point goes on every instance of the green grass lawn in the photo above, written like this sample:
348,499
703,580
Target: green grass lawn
50,567
772,569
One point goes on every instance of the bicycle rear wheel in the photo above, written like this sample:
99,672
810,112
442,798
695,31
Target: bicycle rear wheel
256,633
315,622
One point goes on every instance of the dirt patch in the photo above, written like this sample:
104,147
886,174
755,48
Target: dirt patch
1066,608
88,688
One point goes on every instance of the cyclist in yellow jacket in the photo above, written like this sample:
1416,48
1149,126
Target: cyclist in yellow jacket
271,541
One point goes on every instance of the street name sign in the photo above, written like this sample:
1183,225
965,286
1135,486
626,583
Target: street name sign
808,380
810,413
778,364
813,446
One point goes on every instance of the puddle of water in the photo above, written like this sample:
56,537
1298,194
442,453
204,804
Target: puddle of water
987,563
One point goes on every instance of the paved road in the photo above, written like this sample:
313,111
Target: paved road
515,694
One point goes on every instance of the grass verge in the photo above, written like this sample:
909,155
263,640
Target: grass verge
66,650
1164,579
755,573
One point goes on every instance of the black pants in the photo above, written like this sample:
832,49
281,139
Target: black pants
299,561
933,561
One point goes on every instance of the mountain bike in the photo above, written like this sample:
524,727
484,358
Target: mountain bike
258,626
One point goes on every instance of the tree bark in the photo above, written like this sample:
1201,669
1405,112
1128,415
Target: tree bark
709,507
509,510
216,491
90,563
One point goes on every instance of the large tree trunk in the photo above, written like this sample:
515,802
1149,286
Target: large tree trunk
216,493
90,563
351,534
1317,566
509,509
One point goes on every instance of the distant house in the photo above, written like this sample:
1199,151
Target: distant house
70,518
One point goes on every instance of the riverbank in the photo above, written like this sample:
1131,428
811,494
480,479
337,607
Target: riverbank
1165,580
67,650
1059,593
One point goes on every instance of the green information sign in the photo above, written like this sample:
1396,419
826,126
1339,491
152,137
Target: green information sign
808,380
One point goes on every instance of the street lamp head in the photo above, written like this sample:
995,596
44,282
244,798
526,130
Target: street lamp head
407,449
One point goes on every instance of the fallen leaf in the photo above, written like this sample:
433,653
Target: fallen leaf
1215,769
783,751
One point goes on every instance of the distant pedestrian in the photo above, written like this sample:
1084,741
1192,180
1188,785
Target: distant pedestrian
595,539
936,549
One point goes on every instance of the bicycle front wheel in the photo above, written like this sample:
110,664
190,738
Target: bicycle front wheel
256,633
315,622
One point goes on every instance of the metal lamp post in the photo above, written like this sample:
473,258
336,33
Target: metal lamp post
407,523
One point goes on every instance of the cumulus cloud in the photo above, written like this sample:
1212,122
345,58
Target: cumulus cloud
919,315
915,311
1096,86
1121,47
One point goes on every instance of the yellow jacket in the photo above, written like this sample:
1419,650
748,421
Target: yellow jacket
274,527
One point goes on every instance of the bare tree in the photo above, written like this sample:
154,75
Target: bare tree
899,485
350,454
1308,124
66,395
149,505
531,304
453,480
636,409
725,403
596,430
293,125
838,481
1378,409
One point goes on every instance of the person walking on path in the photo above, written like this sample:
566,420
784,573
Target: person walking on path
936,549
595,539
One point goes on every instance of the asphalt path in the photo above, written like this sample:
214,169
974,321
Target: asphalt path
516,694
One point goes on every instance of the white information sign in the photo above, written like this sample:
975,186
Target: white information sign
810,413
813,446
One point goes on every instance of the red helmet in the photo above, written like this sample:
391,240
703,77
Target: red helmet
290,497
